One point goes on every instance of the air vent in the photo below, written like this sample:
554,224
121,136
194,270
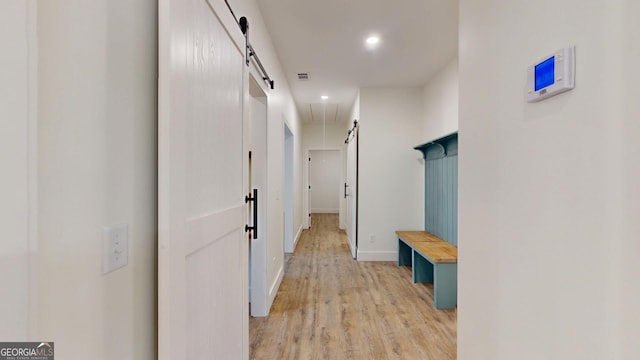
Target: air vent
303,76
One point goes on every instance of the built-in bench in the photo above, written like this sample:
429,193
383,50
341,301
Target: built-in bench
432,260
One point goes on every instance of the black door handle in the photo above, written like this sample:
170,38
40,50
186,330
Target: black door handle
254,199
345,190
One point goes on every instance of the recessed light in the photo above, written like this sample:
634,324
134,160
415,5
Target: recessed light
372,40
324,97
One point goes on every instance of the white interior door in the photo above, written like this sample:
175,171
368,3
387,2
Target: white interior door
203,248
352,193
325,176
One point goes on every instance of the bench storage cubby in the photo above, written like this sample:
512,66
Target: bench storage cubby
432,260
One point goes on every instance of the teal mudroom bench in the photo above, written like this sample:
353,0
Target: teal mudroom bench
432,260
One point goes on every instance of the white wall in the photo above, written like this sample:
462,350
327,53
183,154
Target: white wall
440,103
391,175
314,134
18,107
281,109
548,228
355,111
97,167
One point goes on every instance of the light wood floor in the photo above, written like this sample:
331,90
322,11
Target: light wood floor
330,306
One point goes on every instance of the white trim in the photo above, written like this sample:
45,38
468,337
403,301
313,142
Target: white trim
377,255
295,242
352,245
288,193
325,211
246,121
271,295
164,229
32,166
274,288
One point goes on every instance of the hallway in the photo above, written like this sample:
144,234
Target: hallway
330,306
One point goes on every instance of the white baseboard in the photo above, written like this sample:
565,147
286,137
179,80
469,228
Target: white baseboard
377,255
325,211
295,241
351,247
276,285
273,291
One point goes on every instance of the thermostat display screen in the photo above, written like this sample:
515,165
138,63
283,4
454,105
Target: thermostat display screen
551,75
545,73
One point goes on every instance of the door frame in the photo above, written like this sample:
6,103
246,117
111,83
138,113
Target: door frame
352,222
259,290
307,197
288,187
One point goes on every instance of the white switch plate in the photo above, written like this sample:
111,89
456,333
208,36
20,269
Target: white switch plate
115,247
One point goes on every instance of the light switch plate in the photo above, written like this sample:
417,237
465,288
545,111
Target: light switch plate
115,247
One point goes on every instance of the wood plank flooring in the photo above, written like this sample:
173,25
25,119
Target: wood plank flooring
330,306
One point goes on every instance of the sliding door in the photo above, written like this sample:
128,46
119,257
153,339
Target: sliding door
351,191
203,248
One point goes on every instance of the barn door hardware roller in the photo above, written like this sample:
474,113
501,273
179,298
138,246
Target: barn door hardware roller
254,199
249,52
244,25
351,133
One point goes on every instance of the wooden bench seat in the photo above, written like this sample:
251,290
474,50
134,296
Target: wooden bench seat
432,260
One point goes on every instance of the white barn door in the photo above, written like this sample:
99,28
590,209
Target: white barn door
203,248
352,193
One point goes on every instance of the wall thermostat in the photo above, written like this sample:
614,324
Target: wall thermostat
552,75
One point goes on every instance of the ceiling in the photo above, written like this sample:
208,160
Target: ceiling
326,39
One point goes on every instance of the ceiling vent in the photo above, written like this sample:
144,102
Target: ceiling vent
303,76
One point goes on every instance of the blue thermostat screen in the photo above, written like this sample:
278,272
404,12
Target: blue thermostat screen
545,73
